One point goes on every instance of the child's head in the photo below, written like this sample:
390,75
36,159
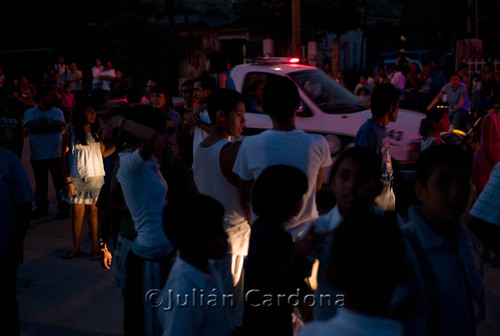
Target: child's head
277,193
355,179
226,109
443,183
368,286
194,226
437,118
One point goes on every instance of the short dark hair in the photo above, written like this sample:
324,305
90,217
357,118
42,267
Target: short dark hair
187,82
218,61
435,156
280,98
277,192
222,99
162,88
433,115
383,98
188,220
207,82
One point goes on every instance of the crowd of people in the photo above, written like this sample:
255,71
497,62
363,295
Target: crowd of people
228,233
428,84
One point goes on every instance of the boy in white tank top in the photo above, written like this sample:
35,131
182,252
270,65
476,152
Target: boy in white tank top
212,171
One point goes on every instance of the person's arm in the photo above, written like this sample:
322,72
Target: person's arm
24,100
66,142
488,130
226,160
300,264
319,179
460,101
245,190
435,100
150,140
193,118
107,150
38,127
222,80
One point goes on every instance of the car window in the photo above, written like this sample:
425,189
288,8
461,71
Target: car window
253,89
327,94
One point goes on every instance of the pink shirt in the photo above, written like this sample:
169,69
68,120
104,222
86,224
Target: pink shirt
482,165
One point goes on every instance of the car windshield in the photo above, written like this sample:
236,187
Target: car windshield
327,94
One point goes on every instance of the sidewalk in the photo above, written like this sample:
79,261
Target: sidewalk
60,297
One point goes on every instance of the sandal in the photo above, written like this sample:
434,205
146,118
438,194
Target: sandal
71,254
96,255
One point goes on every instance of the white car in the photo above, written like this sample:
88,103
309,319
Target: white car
335,112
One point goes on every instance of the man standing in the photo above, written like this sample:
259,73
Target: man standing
199,121
212,169
283,145
45,124
15,206
384,105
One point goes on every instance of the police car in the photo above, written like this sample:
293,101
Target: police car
327,108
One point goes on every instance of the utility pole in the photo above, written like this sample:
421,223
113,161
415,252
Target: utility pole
296,30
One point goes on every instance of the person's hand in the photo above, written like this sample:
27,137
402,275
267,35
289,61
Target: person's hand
107,257
116,121
193,119
71,190
311,239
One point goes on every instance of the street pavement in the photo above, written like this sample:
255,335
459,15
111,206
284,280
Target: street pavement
60,297
75,297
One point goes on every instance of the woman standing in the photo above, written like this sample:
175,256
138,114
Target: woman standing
488,153
216,65
83,170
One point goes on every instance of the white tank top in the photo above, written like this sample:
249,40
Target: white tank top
210,181
85,161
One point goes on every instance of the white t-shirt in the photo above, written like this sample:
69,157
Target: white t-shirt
106,83
96,72
145,190
296,148
193,303
44,145
210,180
399,81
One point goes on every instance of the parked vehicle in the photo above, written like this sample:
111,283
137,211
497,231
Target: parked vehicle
332,111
